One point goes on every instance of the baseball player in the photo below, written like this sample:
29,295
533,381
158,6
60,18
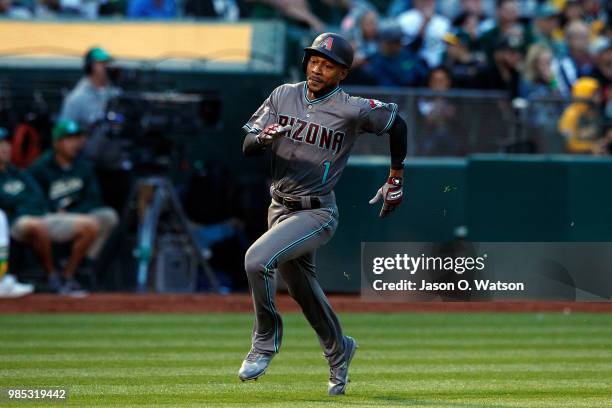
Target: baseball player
310,128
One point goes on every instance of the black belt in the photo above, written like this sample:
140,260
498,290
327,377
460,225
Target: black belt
297,203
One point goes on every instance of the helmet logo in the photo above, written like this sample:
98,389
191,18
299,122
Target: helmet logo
327,43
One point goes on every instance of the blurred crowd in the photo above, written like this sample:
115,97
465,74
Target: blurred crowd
531,49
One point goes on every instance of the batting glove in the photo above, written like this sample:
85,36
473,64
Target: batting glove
391,193
272,132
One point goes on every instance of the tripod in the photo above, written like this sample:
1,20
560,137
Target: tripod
154,197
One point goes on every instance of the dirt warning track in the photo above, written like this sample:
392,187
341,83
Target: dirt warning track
203,303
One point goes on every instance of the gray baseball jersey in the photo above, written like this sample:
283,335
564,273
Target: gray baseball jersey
307,161
310,158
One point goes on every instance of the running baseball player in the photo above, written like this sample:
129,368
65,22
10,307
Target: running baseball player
310,128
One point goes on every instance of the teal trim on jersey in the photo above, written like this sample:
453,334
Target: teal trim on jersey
267,269
391,119
327,165
272,308
322,98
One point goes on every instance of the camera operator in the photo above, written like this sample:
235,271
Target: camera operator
86,103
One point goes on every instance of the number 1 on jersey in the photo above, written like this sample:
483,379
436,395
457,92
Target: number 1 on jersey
326,164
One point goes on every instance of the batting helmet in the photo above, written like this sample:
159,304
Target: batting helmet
332,46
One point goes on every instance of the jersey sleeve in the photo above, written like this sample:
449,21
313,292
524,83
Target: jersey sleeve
376,116
265,115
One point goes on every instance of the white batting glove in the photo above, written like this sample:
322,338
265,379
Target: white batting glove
272,132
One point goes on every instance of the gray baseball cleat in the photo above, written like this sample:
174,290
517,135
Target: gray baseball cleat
254,365
338,376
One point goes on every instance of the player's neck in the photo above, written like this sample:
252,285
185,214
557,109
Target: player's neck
321,93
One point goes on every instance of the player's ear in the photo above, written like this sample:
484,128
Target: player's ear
343,73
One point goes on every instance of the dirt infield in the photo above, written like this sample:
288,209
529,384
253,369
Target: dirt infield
201,303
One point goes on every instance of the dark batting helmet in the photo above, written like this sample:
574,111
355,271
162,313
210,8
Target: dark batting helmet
332,46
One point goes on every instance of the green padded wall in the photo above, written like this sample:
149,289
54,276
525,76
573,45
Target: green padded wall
433,207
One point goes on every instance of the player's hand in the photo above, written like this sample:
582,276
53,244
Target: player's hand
391,193
272,132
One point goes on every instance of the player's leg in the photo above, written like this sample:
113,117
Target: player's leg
33,231
107,220
291,235
82,230
300,276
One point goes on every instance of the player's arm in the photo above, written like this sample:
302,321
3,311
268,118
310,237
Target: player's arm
398,146
391,192
252,146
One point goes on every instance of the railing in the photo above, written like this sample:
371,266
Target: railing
460,122
453,123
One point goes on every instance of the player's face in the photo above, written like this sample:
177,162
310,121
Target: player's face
323,74
69,147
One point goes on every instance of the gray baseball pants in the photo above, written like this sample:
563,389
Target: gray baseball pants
289,247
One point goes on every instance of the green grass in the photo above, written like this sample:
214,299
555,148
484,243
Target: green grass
417,360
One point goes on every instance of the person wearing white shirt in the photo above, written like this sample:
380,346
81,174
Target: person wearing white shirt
423,25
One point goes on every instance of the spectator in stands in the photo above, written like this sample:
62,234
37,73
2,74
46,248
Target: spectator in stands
425,30
152,9
296,10
504,74
395,64
546,28
580,122
47,9
571,12
538,77
472,21
226,10
360,27
593,14
9,10
603,74
577,61
70,187
509,27
463,63
538,84
88,9
437,118
86,103
24,203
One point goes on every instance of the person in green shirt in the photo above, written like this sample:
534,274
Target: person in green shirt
72,194
24,204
